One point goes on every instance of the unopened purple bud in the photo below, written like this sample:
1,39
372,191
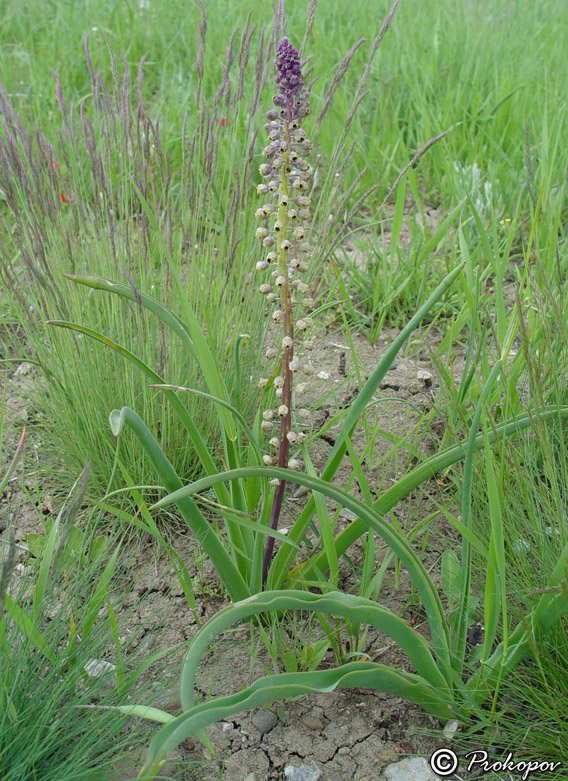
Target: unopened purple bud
289,77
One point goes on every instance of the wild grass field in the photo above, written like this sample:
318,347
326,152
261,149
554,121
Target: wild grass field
303,374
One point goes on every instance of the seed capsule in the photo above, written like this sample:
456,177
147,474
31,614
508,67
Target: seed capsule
283,410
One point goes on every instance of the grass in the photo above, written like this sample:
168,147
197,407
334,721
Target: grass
144,179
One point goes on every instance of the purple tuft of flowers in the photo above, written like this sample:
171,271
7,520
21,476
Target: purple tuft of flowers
290,81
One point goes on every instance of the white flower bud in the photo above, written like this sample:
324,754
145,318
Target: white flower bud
287,343
305,247
308,321
272,297
307,302
303,200
280,281
302,437
283,410
294,365
268,460
279,381
301,325
303,267
262,265
278,393
270,353
261,189
304,214
271,257
309,344
261,233
277,163
274,442
277,226
293,463
292,214
277,316
292,437
266,425
285,245
301,388
263,382
302,287
303,413
275,482
308,369
268,414
264,169
273,186
260,215
283,200
265,289
268,242
293,262
299,234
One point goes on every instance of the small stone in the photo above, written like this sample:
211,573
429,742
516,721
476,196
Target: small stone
414,769
425,376
96,668
311,722
451,728
264,721
520,546
302,773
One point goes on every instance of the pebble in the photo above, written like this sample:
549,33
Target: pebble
425,376
264,721
302,773
311,722
451,728
415,769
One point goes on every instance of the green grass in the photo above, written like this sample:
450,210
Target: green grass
138,208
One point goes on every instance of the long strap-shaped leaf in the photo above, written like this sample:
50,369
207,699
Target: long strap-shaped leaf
368,675
124,291
336,603
203,453
370,517
283,558
426,470
206,536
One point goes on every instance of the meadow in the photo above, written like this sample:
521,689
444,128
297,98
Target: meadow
298,373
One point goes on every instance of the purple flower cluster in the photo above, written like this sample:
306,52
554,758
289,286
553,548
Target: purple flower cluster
292,98
289,78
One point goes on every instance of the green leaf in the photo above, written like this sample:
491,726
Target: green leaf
451,575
